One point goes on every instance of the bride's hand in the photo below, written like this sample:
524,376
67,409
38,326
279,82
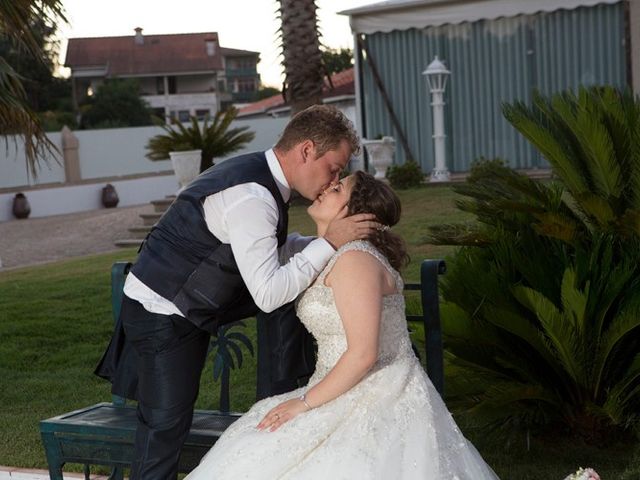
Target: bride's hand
281,414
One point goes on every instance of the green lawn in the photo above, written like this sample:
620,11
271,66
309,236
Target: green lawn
55,322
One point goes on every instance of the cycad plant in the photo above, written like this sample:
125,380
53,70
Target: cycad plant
542,311
215,138
592,141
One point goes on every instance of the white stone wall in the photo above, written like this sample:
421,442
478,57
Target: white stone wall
116,152
79,198
105,157
13,171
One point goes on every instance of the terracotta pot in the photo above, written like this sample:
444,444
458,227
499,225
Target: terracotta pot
109,196
21,207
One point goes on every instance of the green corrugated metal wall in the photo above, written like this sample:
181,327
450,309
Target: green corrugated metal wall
492,61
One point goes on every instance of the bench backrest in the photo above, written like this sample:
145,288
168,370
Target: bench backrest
430,318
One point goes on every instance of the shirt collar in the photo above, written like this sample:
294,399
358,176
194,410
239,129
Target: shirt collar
278,174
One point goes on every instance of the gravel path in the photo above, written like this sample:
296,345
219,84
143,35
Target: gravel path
38,240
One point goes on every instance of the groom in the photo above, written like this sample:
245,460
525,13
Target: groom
214,257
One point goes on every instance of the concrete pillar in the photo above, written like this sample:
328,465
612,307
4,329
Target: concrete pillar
71,156
167,110
358,162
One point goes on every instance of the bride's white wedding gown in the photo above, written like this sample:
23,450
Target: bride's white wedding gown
392,425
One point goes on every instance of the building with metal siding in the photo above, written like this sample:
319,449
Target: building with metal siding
563,45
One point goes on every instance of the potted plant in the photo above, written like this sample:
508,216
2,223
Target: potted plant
192,148
380,152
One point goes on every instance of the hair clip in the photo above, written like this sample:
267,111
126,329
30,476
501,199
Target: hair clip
383,228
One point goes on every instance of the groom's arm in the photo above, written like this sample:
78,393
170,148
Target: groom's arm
246,217
295,243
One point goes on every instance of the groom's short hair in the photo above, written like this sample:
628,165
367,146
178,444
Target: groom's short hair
324,125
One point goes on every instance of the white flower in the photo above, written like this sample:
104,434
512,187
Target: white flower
584,474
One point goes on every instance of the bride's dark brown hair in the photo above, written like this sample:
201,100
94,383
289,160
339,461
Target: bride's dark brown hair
369,195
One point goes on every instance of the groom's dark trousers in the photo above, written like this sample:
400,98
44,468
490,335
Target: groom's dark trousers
167,354
286,352
171,352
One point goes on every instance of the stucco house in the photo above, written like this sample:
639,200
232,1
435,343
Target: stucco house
179,74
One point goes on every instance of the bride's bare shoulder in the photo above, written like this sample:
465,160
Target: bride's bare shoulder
356,268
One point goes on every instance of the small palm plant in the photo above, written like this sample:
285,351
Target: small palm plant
542,312
225,346
215,139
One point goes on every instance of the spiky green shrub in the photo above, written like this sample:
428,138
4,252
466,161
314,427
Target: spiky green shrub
408,175
215,139
482,165
542,301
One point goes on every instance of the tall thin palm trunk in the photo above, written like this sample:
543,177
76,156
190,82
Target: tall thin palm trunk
302,62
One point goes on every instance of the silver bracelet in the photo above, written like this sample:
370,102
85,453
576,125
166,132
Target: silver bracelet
303,399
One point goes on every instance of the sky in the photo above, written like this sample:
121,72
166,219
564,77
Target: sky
243,24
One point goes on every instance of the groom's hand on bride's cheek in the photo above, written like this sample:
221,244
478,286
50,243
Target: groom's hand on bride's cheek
344,229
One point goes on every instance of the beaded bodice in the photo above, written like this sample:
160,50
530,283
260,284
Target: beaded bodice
317,311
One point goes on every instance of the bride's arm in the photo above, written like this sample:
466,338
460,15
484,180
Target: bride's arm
358,281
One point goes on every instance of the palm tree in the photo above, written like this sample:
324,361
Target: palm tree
303,67
16,19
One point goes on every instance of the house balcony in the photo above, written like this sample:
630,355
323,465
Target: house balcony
183,101
243,97
241,72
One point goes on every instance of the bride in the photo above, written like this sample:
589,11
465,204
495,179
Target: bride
369,410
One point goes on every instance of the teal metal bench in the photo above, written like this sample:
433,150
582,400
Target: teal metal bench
103,434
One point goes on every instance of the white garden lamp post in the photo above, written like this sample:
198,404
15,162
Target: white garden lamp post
437,75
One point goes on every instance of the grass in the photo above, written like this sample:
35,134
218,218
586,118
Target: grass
55,321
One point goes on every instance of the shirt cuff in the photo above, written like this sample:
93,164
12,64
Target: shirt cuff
318,252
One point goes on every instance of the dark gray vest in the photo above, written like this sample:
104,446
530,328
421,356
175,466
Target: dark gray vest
186,264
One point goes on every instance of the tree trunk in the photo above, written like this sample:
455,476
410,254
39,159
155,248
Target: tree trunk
301,51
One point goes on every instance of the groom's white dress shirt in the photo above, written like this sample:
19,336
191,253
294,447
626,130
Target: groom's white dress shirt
246,216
